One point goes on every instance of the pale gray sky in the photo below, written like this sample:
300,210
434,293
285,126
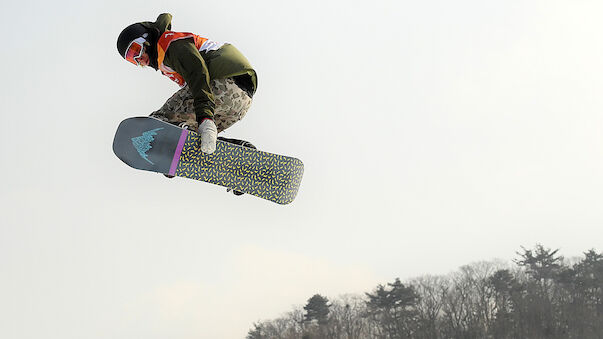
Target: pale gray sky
434,134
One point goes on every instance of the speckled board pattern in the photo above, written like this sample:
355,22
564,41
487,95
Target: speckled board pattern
153,145
269,176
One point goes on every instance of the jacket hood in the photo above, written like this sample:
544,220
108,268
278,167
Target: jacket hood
155,30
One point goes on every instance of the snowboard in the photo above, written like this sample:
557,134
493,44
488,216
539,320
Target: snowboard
150,144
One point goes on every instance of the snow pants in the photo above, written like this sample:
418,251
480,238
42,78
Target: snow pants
231,105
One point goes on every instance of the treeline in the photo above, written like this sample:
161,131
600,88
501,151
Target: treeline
540,295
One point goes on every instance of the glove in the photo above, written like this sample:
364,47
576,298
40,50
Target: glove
209,133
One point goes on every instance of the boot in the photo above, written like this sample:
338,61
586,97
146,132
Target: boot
238,142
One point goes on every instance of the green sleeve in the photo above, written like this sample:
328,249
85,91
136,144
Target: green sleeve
184,58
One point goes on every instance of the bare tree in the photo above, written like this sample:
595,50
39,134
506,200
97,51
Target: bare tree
432,291
347,319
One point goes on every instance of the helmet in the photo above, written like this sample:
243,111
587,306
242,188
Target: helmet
128,35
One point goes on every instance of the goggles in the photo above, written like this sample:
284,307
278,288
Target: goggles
135,50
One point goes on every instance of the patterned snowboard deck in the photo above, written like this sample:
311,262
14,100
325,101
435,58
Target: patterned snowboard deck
153,145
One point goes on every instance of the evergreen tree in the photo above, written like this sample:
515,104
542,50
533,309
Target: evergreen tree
317,309
539,316
542,264
394,308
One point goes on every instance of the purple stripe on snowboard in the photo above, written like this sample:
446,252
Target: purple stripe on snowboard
178,152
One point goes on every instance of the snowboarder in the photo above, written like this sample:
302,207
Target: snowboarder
217,82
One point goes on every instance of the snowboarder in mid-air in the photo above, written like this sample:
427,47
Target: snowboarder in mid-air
181,138
217,82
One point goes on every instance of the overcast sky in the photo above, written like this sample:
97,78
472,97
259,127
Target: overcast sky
434,134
